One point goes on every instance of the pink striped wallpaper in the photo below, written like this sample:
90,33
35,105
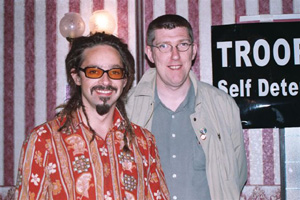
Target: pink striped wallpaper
32,75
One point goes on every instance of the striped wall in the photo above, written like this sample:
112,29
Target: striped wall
32,74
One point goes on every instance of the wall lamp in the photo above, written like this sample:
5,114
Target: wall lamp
72,25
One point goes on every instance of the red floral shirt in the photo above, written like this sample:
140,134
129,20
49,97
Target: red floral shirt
66,165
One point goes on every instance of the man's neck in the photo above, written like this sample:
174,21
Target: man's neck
172,97
100,123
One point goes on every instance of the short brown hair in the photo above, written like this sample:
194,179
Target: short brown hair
168,21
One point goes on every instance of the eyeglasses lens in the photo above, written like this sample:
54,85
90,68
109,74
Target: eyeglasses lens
93,72
116,73
166,48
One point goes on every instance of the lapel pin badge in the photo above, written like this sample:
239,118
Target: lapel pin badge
203,132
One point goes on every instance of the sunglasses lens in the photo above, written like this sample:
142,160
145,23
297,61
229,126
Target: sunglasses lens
117,73
94,72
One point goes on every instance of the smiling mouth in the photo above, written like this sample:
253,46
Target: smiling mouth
104,90
174,67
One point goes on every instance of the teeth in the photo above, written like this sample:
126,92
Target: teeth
174,67
105,91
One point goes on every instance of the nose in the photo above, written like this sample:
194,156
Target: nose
175,53
105,80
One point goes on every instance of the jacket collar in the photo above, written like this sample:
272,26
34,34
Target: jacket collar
146,86
197,88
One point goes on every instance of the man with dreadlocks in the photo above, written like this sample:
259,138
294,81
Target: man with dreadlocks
91,150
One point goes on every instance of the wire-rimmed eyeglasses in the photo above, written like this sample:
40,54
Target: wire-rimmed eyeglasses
96,72
166,48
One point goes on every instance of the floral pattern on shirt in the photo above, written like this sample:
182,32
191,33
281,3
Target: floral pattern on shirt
67,165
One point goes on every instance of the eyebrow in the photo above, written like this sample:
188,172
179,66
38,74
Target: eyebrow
112,66
181,40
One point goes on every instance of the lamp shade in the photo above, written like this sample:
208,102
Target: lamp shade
102,21
71,25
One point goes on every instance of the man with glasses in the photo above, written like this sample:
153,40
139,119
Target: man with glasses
91,150
197,126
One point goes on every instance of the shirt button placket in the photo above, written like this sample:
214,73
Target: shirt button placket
173,152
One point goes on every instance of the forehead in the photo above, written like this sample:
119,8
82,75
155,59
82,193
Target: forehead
169,35
101,55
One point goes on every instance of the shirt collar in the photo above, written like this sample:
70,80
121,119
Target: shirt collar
118,119
188,102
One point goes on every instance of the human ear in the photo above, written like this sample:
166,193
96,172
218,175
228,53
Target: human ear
194,51
148,51
75,77
124,82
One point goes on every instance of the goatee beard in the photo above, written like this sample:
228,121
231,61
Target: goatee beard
104,108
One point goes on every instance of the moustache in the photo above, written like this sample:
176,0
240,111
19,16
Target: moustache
101,87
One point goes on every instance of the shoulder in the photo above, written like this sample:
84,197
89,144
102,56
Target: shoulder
212,98
145,85
205,89
210,89
140,96
210,92
44,131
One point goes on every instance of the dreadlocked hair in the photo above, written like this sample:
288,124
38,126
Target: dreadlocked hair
74,61
73,103
128,134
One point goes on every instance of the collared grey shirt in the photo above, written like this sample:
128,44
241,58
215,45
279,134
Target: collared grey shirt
181,155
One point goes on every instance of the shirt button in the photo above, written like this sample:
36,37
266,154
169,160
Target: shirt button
174,197
173,116
173,135
174,156
174,175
